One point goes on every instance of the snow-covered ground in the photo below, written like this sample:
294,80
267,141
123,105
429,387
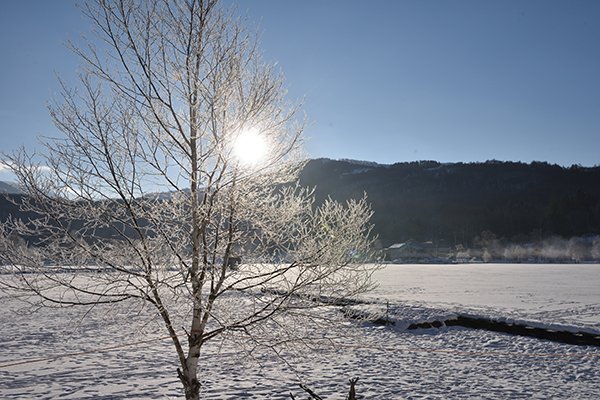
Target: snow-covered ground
451,363
566,294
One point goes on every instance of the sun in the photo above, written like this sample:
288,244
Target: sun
250,147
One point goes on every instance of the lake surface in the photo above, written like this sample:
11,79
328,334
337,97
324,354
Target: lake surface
550,293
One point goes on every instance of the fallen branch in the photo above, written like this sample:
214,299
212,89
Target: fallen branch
314,396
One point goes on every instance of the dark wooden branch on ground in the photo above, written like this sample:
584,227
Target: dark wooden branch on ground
352,393
314,396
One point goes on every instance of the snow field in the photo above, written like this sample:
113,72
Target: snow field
450,363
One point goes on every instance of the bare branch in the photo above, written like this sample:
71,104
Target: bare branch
144,201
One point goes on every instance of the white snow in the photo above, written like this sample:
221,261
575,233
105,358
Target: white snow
451,363
566,294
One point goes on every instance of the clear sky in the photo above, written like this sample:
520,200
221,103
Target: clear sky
384,81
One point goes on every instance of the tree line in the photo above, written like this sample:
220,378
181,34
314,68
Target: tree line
455,202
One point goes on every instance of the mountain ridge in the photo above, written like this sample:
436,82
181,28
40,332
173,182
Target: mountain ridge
454,203
457,202
9,188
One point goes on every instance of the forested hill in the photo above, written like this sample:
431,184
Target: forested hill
456,202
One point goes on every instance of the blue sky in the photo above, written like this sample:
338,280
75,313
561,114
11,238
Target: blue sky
384,81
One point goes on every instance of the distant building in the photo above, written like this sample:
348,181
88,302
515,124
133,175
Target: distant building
412,251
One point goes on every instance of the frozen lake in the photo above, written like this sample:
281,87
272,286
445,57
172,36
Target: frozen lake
449,363
550,293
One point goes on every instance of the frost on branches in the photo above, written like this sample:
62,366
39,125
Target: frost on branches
157,194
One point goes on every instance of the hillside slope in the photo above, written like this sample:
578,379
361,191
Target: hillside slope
456,202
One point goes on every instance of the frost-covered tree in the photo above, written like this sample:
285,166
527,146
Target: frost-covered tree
179,159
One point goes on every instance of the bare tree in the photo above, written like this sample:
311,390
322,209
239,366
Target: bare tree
179,156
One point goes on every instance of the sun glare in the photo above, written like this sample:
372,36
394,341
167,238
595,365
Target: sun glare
250,147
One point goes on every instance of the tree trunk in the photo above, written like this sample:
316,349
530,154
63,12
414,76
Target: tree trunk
191,385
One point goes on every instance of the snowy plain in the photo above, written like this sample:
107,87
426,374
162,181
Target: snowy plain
564,294
55,354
